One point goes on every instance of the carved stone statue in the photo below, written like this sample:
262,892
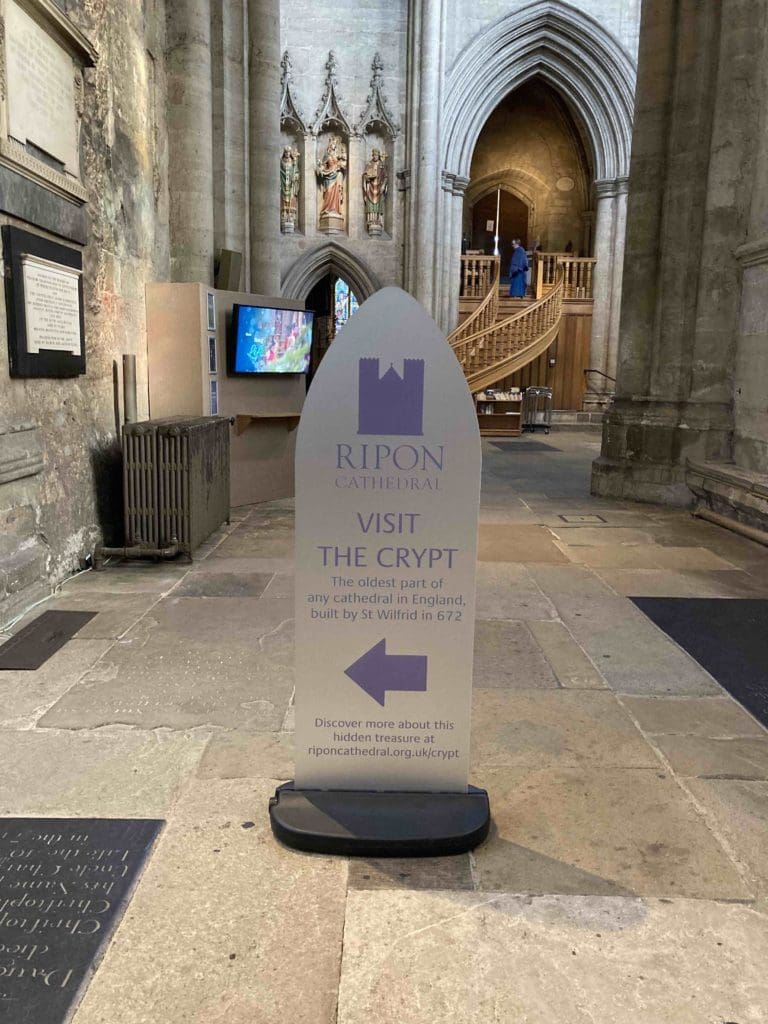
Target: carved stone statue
331,171
290,183
375,188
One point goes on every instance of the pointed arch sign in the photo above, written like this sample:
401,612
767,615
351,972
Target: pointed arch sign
387,493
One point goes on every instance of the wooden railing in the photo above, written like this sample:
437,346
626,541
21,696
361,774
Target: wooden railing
499,350
578,274
476,273
488,310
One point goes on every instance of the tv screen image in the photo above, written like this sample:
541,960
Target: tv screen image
271,340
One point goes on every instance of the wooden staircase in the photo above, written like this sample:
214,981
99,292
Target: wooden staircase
491,345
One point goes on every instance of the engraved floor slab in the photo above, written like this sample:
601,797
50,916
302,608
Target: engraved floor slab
38,641
193,661
466,958
64,884
25,696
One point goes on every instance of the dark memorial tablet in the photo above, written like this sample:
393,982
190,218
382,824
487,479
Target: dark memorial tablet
64,883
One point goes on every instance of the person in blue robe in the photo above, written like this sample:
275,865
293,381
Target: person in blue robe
517,270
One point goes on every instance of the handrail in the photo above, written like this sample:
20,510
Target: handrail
590,369
487,311
499,350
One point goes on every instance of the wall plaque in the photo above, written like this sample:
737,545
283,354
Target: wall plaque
42,99
41,89
44,299
64,884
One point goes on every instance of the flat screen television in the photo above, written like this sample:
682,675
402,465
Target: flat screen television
266,340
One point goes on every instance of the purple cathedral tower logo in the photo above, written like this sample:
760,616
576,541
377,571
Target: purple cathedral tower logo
391,404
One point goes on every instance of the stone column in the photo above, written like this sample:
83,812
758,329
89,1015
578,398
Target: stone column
264,144
425,170
190,139
610,227
230,213
751,370
449,250
652,425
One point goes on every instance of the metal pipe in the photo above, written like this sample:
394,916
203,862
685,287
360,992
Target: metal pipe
751,532
137,551
130,415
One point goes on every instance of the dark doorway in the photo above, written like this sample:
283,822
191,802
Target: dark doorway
333,302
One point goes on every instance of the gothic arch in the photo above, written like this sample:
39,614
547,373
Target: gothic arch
569,50
329,259
518,183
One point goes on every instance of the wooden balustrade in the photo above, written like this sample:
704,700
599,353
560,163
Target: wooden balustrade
476,274
578,274
494,352
488,310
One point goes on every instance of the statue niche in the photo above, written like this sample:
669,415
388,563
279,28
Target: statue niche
290,186
331,171
375,189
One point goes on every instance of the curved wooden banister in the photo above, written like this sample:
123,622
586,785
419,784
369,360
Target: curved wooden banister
486,312
500,349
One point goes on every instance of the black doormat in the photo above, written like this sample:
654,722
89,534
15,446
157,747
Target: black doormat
32,646
728,637
64,884
524,446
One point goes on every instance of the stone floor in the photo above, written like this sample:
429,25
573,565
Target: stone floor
626,876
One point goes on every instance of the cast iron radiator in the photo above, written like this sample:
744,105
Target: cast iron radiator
175,480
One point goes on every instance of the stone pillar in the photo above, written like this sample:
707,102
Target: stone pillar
230,213
449,249
610,227
425,170
264,144
751,370
190,139
655,422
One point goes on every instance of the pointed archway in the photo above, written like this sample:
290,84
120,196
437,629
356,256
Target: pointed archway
330,258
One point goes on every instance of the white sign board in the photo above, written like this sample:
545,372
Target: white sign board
387,495
52,305
41,88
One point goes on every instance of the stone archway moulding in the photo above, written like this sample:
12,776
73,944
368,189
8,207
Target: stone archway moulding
508,180
305,273
569,50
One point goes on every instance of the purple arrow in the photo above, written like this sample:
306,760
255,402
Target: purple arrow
376,672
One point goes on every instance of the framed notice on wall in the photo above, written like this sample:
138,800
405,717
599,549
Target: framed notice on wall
44,301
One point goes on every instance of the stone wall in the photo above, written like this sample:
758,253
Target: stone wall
59,472
467,18
355,33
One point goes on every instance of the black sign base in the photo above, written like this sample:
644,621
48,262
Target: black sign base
368,824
